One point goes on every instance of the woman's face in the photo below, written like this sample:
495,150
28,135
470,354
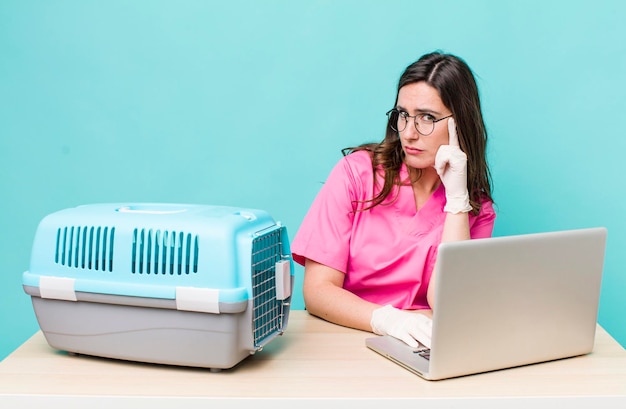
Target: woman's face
423,100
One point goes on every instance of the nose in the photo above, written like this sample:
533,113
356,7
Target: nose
410,132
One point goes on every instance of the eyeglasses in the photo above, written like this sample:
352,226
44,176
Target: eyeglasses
424,123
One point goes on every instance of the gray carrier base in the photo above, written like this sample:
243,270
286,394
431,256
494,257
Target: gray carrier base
154,331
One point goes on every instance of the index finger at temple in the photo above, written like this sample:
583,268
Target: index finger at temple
453,138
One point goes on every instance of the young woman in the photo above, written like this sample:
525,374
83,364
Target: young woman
369,240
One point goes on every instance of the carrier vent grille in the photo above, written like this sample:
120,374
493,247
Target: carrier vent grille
87,247
268,312
164,252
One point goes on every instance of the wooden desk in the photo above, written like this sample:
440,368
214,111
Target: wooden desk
313,360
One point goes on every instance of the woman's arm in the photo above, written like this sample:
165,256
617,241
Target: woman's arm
325,297
455,228
451,165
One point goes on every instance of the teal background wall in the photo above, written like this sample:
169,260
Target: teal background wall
248,103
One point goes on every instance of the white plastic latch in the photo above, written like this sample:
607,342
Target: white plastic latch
57,288
283,280
197,299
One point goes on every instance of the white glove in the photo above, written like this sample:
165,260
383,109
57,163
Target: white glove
451,165
407,326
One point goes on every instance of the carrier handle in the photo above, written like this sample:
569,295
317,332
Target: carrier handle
150,210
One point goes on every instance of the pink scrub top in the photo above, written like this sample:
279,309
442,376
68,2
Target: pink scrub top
388,252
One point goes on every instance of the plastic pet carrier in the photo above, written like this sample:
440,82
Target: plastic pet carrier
190,285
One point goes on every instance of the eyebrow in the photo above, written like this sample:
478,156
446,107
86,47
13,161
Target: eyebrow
418,110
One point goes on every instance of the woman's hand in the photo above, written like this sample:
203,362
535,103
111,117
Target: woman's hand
451,165
407,326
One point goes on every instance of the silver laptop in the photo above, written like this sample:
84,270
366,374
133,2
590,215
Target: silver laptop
508,301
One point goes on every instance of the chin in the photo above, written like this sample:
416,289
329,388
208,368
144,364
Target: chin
418,164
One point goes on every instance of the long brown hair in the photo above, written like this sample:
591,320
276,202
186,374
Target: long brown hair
454,80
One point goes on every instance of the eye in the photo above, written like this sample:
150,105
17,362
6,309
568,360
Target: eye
403,114
427,118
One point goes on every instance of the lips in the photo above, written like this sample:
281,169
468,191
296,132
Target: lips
412,151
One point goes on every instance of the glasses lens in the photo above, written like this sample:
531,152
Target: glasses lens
397,122
424,125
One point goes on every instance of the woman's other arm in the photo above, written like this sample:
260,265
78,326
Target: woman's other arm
455,228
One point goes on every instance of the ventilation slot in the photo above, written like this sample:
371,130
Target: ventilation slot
266,252
86,247
164,252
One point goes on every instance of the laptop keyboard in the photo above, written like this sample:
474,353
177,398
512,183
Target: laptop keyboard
423,352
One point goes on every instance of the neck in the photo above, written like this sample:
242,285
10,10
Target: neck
424,180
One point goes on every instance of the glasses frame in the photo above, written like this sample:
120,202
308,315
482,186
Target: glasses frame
407,116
